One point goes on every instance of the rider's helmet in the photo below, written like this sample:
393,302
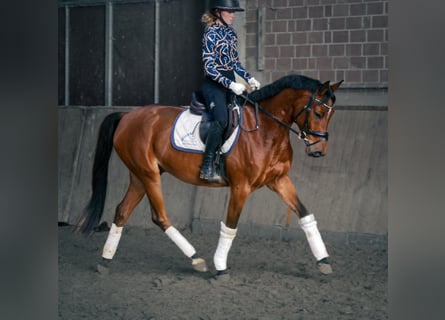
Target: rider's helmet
225,5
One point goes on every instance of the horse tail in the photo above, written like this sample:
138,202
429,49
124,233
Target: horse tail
92,214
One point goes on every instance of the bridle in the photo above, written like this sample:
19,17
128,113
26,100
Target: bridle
305,131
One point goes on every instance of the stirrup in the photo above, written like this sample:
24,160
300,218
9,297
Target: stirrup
210,177
214,178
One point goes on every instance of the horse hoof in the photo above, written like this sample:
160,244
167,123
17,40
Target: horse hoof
103,267
220,277
200,265
324,266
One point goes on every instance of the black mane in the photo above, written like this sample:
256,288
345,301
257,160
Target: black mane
290,81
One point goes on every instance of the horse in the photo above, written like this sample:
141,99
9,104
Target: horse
262,156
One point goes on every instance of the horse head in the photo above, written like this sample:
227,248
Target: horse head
309,103
313,119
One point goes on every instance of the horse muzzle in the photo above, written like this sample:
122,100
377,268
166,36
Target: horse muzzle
317,148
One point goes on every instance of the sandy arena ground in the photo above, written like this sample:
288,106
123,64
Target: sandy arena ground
150,279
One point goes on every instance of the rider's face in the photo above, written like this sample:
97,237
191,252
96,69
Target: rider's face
228,16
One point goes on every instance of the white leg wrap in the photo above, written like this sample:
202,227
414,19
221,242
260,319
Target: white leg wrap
112,242
180,241
226,237
309,226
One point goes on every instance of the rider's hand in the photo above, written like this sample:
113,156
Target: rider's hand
254,83
237,88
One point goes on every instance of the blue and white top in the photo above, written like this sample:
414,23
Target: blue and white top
219,53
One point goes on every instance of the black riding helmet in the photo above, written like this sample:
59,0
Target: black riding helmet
225,5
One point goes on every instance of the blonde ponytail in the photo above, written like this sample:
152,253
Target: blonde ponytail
208,19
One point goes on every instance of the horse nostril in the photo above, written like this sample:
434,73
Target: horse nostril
316,154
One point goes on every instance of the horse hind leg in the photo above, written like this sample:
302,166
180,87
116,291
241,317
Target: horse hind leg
160,218
134,195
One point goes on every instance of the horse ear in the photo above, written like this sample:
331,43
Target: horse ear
336,85
324,88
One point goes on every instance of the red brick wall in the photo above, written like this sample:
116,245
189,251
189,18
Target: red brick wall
323,39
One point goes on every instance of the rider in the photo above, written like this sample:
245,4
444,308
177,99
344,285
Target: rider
221,60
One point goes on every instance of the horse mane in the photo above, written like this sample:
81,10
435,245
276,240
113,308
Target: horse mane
293,81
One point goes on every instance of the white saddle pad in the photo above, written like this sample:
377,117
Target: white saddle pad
185,134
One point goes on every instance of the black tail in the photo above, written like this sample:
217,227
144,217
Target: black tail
92,214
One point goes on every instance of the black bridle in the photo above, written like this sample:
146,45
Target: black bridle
305,131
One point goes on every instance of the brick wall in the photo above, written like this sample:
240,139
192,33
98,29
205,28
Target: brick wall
323,39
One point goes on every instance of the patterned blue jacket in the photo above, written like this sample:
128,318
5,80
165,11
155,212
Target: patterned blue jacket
219,53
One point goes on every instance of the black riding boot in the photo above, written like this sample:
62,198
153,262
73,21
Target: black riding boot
212,142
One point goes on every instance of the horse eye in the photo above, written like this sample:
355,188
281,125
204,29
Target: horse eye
318,115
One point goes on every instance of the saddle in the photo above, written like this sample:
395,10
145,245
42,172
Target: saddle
198,107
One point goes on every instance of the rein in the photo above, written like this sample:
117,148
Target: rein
270,115
303,133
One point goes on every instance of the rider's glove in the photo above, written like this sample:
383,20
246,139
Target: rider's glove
254,84
237,88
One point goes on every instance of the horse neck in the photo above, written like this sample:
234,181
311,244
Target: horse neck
287,104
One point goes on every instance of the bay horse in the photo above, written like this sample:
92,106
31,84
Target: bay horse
261,157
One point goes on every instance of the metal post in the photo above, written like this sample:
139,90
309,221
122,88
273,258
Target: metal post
67,56
109,54
157,49
260,38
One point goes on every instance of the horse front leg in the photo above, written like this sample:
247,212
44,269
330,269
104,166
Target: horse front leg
286,190
228,230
